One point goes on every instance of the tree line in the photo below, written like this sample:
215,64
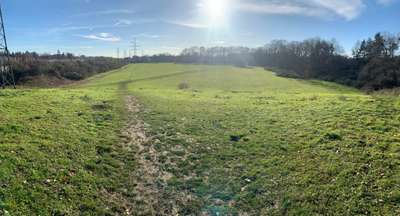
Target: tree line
373,65
63,66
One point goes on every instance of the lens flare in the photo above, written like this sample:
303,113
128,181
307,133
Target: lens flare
215,11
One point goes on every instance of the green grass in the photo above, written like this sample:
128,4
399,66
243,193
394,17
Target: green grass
236,140
59,152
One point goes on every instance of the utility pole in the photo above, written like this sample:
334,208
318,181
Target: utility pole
117,53
135,47
6,72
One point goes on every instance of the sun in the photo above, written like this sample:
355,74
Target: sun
215,10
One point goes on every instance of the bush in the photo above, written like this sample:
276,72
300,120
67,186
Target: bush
73,76
183,85
379,73
28,66
332,136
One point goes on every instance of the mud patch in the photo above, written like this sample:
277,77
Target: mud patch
104,105
148,176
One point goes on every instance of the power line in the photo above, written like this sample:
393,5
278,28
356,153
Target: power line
6,72
135,47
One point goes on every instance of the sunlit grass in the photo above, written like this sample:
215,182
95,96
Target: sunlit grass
235,139
263,144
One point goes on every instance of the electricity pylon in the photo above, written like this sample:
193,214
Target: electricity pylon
6,72
135,47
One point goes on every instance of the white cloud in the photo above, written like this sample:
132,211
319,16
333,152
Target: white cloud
118,23
106,12
123,22
188,24
102,37
386,2
145,35
347,9
279,8
67,28
127,22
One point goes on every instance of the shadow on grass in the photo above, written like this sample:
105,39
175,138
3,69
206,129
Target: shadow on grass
125,83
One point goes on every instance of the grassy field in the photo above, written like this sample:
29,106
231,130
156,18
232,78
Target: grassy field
228,141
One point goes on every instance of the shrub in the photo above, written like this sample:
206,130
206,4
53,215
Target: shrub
183,85
379,73
342,98
332,136
27,66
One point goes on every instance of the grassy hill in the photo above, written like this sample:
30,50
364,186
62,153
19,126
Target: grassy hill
220,140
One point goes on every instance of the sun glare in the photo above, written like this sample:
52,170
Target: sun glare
216,10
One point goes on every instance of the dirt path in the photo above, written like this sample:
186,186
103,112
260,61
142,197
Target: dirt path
147,175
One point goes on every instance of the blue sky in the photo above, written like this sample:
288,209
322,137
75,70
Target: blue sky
100,27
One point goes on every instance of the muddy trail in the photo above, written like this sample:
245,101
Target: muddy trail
147,174
151,193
